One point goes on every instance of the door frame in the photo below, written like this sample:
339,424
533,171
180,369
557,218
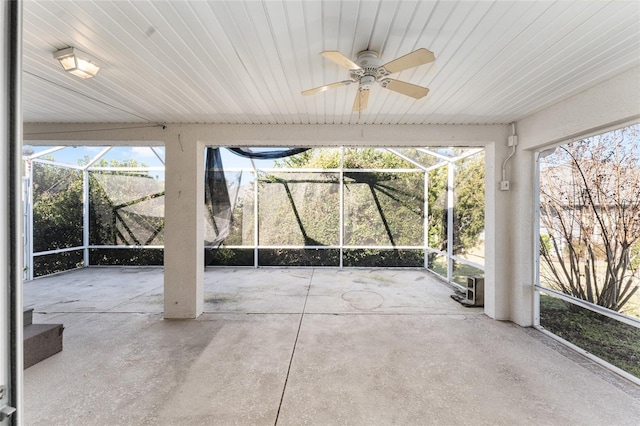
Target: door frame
11,250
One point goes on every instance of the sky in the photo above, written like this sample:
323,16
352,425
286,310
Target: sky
142,154
71,155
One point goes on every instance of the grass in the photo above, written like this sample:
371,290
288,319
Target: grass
631,308
613,341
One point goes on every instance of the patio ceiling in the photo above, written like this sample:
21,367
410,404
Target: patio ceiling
246,62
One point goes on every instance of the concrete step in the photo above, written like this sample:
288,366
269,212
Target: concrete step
41,341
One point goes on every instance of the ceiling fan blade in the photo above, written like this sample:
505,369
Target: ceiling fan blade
362,98
326,87
410,60
405,88
340,59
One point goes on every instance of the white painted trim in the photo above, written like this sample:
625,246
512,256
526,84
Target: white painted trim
56,251
631,321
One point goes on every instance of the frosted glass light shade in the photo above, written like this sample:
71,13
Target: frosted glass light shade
77,63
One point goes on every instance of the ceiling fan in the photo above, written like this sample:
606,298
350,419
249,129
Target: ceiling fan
368,69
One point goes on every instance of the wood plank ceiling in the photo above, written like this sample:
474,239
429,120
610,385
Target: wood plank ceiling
248,61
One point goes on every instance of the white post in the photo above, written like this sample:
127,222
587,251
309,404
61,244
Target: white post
523,224
341,207
29,218
85,217
450,207
425,220
184,228
498,239
256,221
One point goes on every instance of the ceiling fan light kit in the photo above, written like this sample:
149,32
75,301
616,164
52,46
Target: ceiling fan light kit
369,69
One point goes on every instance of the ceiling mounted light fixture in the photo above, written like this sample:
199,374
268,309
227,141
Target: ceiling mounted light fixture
77,62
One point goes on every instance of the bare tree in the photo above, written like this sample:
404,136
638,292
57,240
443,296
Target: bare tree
590,208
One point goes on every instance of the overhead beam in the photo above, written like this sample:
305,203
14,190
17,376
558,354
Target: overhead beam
612,104
263,134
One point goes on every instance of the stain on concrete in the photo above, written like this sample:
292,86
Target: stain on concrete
363,300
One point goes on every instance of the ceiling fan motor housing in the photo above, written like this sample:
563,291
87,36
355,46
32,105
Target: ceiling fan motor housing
371,70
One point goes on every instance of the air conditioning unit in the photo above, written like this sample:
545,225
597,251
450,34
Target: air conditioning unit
475,292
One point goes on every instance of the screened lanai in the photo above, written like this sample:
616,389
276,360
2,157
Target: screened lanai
512,84
331,207
82,204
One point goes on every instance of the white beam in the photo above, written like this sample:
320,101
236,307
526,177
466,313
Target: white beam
263,135
608,105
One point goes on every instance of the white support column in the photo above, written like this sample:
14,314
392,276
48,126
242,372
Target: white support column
450,207
509,235
522,262
184,228
85,217
498,240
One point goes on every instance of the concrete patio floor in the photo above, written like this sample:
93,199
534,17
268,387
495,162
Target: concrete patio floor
303,347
